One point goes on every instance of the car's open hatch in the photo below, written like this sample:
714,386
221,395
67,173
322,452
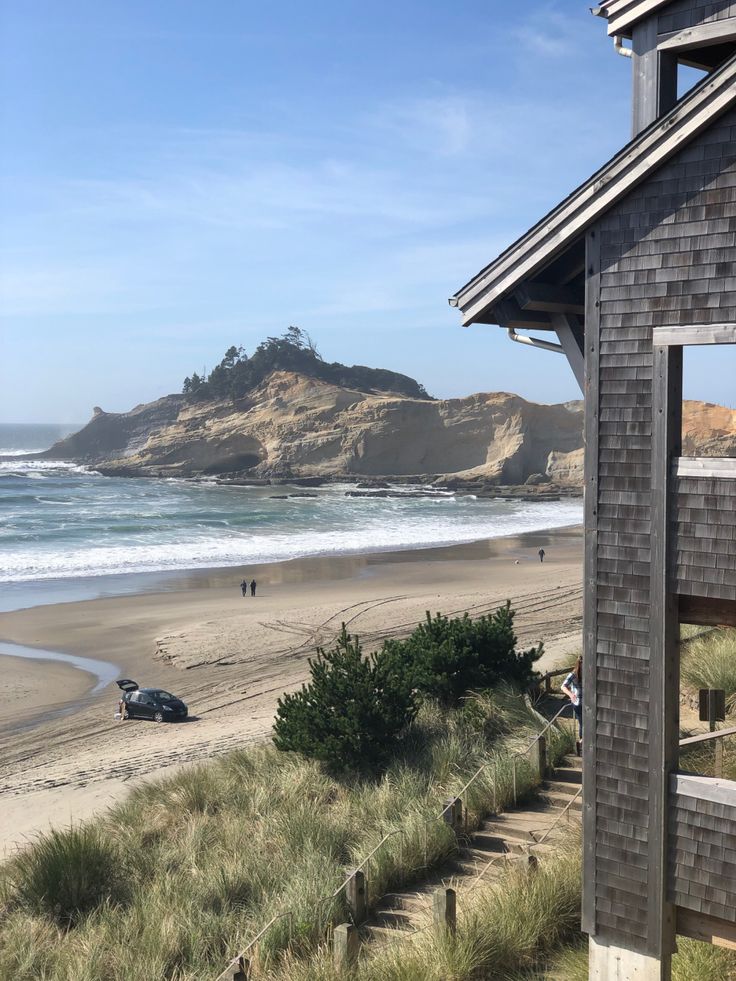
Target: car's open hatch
127,685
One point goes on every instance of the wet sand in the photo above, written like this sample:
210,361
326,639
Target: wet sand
231,657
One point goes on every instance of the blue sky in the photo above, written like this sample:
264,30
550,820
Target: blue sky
180,177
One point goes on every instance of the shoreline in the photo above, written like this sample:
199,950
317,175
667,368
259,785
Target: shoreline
28,593
230,657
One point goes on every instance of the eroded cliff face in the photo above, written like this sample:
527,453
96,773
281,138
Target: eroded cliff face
708,429
298,426
295,426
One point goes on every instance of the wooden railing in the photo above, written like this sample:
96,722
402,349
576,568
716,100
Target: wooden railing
715,737
545,682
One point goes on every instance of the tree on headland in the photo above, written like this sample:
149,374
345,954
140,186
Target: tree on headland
237,374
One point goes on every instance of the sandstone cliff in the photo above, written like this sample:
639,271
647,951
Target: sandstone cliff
293,426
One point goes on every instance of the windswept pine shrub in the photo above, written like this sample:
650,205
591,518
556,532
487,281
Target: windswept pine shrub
448,657
350,713
67,873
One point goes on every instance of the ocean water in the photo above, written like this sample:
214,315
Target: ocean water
58,520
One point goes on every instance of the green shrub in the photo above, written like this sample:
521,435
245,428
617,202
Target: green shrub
350,712
447,658
66,874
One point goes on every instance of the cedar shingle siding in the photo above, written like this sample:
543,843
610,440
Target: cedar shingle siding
703,562
668,256
689,13
702,866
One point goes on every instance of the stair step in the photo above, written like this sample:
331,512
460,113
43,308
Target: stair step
568,774
574,762
524,832
491,841
409,901
381,934
562,800
561,787
397,919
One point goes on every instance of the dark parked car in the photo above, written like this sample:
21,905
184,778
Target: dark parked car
150,703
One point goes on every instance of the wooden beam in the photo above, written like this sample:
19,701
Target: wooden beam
707,611
701,36
706,737
692,334
717,791
558,230
508,313
664,654
719,468
571,338
590,573
549,298
654,77
699,926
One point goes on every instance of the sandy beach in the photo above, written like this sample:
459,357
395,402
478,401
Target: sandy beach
63,757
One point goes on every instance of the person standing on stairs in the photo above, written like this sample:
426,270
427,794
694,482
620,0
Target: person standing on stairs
572,686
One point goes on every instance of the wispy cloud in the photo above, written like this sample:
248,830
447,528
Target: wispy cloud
551,34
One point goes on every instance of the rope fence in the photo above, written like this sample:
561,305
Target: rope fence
453,814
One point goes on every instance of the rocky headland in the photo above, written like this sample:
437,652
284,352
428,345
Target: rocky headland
321,422
293,427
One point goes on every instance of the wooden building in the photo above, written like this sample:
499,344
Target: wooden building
636,264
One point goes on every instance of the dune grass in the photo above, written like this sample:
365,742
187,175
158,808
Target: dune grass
709,661
694,961
178,878
504,927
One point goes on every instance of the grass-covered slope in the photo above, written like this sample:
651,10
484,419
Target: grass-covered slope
182,875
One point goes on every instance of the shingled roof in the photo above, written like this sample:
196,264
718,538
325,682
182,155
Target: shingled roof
565,225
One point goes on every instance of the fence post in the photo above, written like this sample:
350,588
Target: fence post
444,909
453,813
718,766
345,946
355,895
542,756
458,815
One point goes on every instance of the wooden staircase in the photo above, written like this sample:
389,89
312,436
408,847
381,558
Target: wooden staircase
509,837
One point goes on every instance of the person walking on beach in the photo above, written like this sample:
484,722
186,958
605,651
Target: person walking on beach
572,686
540,553
244,587
253,587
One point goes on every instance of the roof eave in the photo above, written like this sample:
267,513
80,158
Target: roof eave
564,225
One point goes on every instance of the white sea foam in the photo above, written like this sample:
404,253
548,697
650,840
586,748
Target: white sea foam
39,468
371,531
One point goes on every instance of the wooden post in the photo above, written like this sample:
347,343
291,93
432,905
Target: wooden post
718,766
590,598
355,895
542,756
345,946
444,909
453,813
664,674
